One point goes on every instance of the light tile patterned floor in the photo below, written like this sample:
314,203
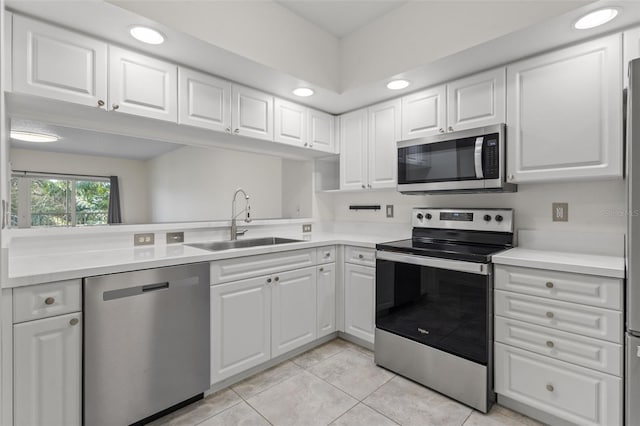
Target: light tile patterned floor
334,384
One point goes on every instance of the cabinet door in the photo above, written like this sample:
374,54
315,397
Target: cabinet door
326,298
204,101
384,133
47,357
240,326
359,301
321,131
423,113
252,113
353,150
142,85
631,41
564,114
290,123
476,101
59,64
293,310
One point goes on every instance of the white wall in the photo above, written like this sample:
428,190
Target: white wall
132,176
593,206
192,184
297,189
262,31
421,32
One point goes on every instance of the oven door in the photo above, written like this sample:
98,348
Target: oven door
445,304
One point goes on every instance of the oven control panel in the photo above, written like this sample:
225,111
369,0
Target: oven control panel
496,220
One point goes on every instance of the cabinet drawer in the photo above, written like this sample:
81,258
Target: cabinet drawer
264,264
586,320
586,289
46,300
326,254
360,256
579,395
573,348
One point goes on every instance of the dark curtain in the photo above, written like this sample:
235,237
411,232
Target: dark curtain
114,215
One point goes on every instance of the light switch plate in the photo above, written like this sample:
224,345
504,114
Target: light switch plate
560,212
147,239
389,210
306,227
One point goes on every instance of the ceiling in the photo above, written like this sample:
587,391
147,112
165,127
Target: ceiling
90,142
341,18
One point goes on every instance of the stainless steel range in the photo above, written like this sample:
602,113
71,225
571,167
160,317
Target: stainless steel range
434,298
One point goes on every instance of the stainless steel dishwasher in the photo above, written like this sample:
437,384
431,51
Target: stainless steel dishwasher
146,342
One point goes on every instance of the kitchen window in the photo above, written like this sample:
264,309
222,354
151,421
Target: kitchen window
55,200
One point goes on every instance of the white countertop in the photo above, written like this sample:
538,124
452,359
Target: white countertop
41,268
591,264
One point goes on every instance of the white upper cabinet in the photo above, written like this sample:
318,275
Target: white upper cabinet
476,101
423,113
353,150
631,41
252,113
321,131
290,123
384,133
293,310
142,85
204,100
564,114
59,64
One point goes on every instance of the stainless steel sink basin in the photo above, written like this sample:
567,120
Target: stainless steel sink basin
252,242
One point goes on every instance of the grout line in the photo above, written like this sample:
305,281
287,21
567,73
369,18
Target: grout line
219,412
270,386
258,411
381,413
466,418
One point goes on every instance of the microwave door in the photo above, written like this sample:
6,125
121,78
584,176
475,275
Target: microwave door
478,157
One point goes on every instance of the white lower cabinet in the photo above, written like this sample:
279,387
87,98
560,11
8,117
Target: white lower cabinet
359,301
326,299
293,313
48,371
240,326
579,395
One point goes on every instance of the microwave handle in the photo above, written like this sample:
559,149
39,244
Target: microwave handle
478,157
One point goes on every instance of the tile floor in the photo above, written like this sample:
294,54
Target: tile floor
334,384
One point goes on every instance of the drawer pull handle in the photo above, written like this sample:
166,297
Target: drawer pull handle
74,321
269,280
549,284
550,344
321,269
49,301
550,388
549,314
277,279
360,256
327,254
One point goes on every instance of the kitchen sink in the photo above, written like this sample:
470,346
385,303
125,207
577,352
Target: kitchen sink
252,242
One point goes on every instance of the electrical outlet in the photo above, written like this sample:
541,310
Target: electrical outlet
147,239
560,212
389,210
306,227
175,237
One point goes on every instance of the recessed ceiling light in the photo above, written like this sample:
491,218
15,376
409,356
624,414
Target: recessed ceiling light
397,84
146,35
20,135
303,91
595,19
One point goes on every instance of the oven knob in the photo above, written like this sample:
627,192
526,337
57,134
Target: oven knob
499,218
429,216
487,218
419,216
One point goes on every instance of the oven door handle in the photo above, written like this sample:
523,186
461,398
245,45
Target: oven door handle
478,157
434,262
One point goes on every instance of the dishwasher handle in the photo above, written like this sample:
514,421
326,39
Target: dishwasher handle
153,287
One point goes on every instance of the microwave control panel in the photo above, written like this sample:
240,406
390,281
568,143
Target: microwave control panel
491,157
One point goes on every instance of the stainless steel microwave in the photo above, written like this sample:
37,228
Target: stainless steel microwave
465,161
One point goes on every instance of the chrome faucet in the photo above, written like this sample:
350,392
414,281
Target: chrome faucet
247,219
